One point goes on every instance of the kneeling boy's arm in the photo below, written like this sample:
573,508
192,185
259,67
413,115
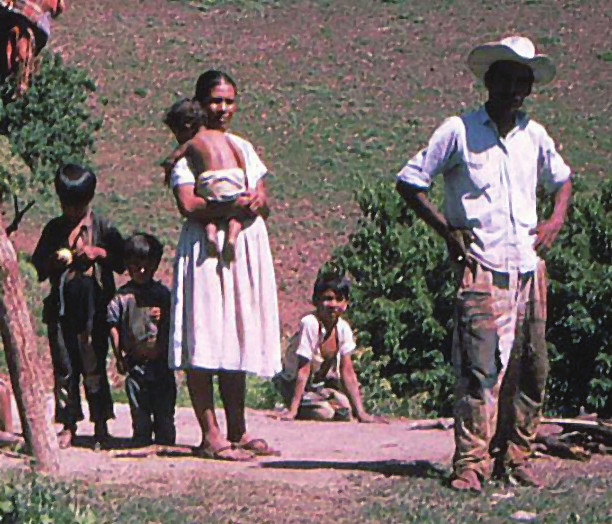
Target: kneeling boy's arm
300,385
351,384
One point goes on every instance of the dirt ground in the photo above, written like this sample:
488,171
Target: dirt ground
330,450
325,453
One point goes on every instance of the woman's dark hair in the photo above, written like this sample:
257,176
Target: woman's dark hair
143,246
338,284
75,185
209,80
185,114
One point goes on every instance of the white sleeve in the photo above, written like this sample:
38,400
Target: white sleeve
553,171
181,174
308,338
345,338
436,158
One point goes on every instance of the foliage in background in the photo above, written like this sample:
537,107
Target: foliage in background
580,307
401,304
33,499
50,124
403,294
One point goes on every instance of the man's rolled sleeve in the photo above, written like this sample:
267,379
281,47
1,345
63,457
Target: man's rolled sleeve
436,158
554,172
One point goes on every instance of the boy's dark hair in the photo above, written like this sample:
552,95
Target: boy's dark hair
143,246
185,113
75,185
338,284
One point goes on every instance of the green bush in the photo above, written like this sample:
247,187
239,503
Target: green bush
580,307
403,296
401,303
35,500
50,124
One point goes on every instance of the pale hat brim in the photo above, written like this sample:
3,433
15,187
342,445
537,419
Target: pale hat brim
483,56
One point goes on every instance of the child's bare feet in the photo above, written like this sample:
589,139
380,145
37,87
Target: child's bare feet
211,249
65,436
229,252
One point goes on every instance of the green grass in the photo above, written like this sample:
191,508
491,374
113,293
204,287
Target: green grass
414,493
319,105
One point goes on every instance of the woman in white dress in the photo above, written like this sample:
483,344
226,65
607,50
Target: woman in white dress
224,315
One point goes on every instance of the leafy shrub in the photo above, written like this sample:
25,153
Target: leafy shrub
403,297
580,307
34,500
401,303
50,124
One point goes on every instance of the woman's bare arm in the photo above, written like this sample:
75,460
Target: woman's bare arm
256,200
192,206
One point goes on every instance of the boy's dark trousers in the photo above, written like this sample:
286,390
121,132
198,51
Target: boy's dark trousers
151,391
79,346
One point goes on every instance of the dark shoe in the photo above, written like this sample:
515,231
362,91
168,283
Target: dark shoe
101,436
524,475
466,480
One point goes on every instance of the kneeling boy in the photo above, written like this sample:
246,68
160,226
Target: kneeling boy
139,317
318,381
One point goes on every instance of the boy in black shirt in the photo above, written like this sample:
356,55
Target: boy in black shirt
139,317
78,252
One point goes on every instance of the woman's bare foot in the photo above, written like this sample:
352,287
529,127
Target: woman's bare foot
222,450
258,446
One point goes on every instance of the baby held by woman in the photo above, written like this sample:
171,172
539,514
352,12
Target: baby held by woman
219,164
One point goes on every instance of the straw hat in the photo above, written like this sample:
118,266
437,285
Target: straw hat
515,49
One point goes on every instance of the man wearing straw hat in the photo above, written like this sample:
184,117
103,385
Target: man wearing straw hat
492,161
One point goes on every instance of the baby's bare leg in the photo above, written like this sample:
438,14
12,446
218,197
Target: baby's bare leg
211,237
229,247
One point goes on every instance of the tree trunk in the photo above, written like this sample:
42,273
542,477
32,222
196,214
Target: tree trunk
24,362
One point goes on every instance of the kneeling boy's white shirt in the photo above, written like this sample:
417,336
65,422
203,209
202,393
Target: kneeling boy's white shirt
307,344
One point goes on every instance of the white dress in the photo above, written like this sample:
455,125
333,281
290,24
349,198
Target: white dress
225,317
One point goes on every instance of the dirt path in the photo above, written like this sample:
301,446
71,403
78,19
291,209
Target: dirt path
329,451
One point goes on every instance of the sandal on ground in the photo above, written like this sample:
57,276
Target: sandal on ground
259,447
466,480
229,453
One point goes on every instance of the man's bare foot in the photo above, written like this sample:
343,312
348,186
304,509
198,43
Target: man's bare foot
466,480
524,475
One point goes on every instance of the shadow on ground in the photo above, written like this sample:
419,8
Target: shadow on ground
416,468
